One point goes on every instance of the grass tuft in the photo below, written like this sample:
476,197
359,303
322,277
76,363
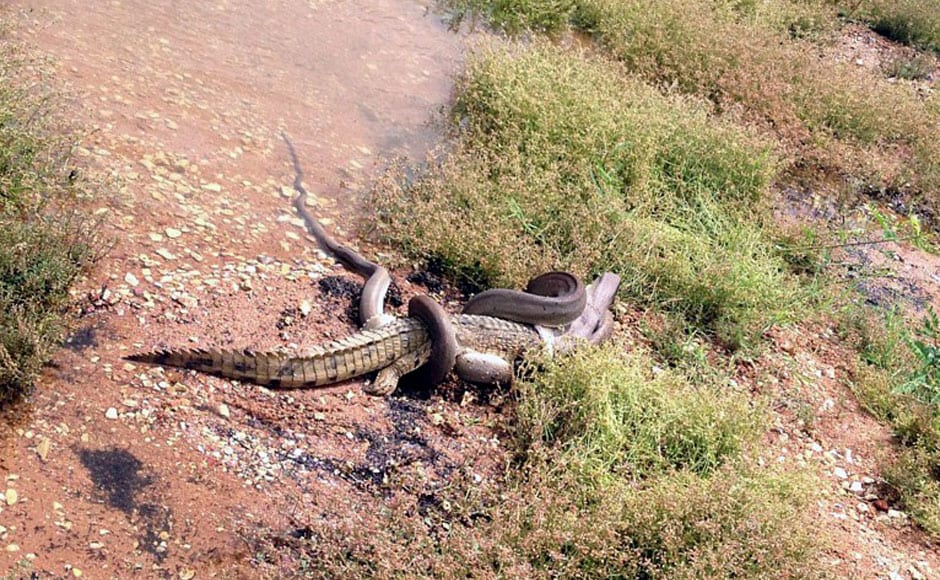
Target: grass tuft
46,238
913,22
889,364
615,415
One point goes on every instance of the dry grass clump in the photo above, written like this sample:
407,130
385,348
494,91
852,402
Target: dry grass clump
611,414
913,22
751,61
46,240
881,385
563,162
776,82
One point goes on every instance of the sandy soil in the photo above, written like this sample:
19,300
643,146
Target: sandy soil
125,471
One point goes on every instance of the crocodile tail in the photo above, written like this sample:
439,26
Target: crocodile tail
343,359
263,368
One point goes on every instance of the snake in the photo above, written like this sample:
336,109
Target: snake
552,299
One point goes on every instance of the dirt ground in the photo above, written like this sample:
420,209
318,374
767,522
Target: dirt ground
119,470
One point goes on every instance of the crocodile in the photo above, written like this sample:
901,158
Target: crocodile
487,346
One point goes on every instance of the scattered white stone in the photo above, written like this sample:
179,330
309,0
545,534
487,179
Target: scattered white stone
173,233
131,279
224,411
856,487
111,413
11,496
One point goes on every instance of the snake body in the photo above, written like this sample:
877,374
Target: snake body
552,299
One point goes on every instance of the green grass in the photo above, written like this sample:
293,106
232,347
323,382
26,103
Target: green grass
612,415
755,63
913,22
46,239
881,384
566,162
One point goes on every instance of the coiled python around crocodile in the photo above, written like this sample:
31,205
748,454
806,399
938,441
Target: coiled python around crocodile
497,326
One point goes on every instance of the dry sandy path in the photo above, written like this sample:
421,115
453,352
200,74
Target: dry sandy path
121,470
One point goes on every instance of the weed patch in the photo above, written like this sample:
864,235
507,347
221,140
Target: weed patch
755,63
617,416
46,239
913,22
894,383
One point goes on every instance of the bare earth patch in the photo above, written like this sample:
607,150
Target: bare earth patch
120,469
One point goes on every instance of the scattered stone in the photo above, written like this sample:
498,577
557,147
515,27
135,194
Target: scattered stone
173,233
111,413
840,473
224,411
42,449
131,279
11,496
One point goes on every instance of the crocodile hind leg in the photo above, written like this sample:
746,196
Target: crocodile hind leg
386,381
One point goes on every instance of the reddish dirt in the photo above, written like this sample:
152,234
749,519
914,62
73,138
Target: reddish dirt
122,470
126,471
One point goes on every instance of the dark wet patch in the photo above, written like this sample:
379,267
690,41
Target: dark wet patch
883,291
388,452
83,338
470,280
394,298
116,472
118,475
348,292
344,291
428,279
427,502
339,287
